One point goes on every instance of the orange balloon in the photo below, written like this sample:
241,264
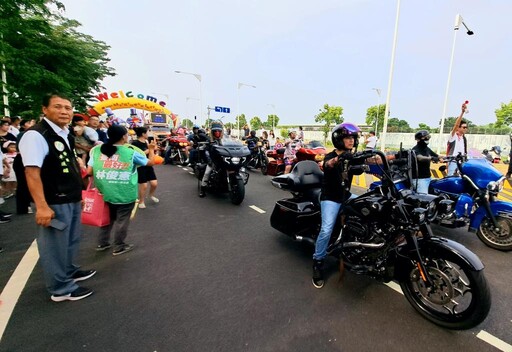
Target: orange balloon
158,160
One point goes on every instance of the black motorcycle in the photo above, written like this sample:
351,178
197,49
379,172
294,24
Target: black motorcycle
228,174
385,233
258,158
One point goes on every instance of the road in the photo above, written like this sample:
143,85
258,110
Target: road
207,275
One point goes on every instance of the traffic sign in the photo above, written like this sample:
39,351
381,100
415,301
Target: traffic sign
222,109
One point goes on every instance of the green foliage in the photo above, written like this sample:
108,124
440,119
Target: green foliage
330,115
423,126
44,52
283,133
504,115
187,123
255,123
242,119
397,125
449,122
272,122
371,116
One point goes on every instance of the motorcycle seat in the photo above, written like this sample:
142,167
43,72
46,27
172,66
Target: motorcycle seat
306,174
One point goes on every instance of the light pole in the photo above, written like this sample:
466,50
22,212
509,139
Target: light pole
458,22
199,78
390,79
378,109
4,85
238,103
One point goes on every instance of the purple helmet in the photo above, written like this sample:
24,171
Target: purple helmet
344,130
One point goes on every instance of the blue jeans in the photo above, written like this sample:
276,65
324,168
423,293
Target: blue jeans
330,212
58,249
420,185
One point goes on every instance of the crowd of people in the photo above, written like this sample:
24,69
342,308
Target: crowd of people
49,162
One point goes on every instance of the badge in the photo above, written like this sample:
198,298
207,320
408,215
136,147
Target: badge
59,146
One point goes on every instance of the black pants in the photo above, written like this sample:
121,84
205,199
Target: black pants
23,197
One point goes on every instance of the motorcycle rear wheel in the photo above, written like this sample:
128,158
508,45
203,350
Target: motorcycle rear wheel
237,193
460,298
502,239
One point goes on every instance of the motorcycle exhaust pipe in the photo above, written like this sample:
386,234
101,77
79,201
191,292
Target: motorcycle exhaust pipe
365,245
304,239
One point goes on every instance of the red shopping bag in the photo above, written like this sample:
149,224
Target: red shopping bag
95,211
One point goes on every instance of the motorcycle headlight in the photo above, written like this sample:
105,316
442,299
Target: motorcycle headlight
319,157
445,206
496,186
235,160
419,215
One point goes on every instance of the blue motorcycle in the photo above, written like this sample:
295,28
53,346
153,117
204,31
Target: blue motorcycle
474,191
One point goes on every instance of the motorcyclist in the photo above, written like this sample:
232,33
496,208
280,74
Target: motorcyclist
335,190
193,138
217,132
252,144
487,155
424,155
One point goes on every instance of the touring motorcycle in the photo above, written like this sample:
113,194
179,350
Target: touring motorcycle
314,150
175,150
475,192
228,174
385,233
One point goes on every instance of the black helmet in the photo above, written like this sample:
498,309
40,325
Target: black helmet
344,130
485,151
216,126
422,135
253,133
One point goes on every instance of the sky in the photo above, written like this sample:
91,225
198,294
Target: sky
302,54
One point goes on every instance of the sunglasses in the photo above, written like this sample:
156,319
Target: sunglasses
464,127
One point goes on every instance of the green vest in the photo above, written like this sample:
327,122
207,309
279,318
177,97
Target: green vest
116,177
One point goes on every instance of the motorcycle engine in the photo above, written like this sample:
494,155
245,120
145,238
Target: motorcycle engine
355,231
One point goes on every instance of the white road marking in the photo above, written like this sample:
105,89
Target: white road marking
482,335
261,211
12,291
494,341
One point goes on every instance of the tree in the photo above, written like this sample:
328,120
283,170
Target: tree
240,121
449,122
371,116
504,115
255,123
43,52
397,125
187,123
330,115
272,122
423,126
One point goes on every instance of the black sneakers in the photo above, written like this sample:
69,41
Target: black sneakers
82,275
202,192
4,219
102,247
122,250
76,295
318,275
5,215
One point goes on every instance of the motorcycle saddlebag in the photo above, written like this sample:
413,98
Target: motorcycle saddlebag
295,217
275,167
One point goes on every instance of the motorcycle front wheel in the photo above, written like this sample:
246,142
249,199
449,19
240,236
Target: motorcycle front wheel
237,193
264,165
460,297
501,238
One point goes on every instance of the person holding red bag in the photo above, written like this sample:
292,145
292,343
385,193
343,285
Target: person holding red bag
114,168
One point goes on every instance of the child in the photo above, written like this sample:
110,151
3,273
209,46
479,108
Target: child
278,144
9,178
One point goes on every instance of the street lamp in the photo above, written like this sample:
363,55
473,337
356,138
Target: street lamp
238,103
199,78
458,22
378,108
390,79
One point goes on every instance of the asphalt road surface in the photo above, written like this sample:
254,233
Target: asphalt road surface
207,275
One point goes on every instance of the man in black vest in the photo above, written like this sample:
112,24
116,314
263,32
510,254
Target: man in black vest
54,181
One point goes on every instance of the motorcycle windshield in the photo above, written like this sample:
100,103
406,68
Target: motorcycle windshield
231,148
481,172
